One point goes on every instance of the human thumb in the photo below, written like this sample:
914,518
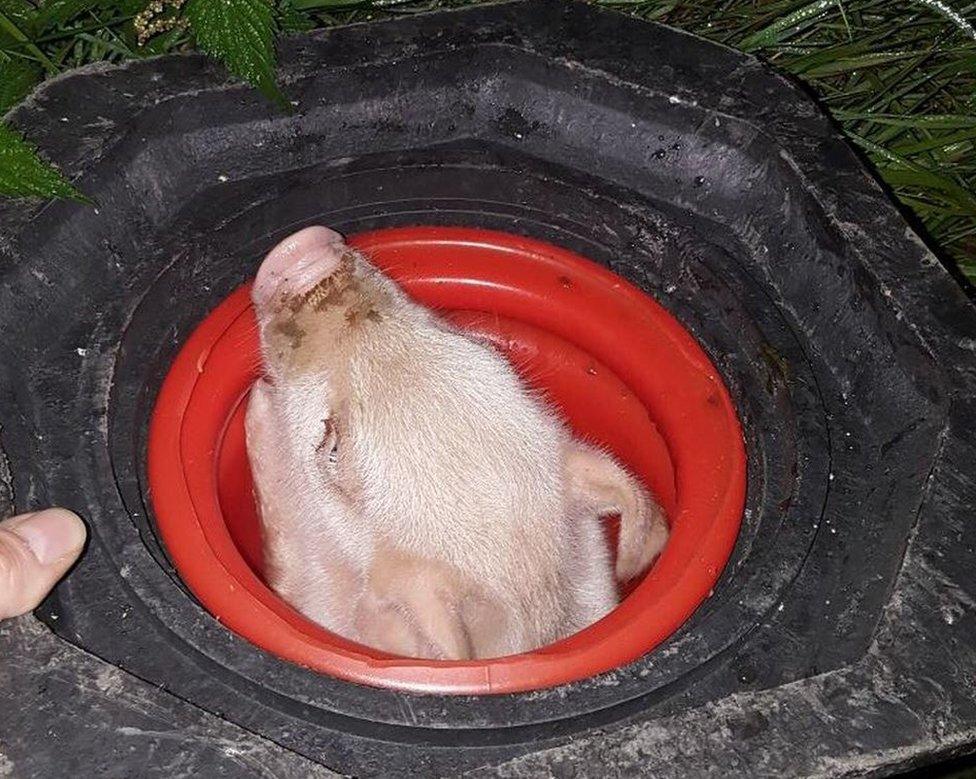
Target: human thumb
35,552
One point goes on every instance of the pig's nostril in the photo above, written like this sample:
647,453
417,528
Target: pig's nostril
298,263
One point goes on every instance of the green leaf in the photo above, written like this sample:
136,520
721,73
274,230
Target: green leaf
332,5
17,79
308,5
291,20
787,26
948,145
24,174
917,121
241,34
857,63
18,13
54,13
17,25
160,44
126,7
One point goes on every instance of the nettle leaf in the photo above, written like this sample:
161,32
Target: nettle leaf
17,79
24,174
241,34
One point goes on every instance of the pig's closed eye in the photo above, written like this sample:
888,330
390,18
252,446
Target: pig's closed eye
330,440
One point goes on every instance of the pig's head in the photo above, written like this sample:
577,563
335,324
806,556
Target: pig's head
425,444
380,432
377,395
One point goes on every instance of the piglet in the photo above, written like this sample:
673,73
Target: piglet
414,495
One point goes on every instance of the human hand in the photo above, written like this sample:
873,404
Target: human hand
36,550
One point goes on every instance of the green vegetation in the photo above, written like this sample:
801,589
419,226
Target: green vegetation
898,75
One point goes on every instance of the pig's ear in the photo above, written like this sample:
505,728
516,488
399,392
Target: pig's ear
600,485
413,607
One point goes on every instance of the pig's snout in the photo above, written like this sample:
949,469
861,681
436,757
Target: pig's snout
297,264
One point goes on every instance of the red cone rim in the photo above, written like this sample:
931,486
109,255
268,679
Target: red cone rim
624,373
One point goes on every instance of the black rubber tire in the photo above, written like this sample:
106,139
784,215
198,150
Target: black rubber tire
689,169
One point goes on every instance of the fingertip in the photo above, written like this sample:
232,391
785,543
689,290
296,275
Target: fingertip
53,535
